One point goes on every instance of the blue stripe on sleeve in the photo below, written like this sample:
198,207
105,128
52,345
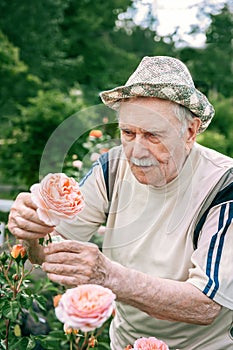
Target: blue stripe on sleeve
215,279
211,250
104,160
219,251
82,181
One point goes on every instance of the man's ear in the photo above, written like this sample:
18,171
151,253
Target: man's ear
192,130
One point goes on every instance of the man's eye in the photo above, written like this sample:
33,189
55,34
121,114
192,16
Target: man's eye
153,137
127,132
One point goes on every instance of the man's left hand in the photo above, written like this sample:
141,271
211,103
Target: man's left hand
73,263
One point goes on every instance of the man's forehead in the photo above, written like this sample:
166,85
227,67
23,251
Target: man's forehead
147,113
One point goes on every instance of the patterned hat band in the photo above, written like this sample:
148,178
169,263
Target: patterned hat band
166,78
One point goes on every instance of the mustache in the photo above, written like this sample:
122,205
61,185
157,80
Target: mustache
144,162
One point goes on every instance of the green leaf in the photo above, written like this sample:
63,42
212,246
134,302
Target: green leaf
2,279
42,301
25,300
2,345
10,310
21,344
41,241
52,340
103,346
31,344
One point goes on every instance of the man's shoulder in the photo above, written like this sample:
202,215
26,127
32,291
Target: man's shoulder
214,159
116,151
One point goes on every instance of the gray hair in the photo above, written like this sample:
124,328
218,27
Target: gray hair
184,115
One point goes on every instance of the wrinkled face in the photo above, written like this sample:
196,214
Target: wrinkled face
153,139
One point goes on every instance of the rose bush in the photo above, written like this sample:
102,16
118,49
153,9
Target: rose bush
85,307
58,197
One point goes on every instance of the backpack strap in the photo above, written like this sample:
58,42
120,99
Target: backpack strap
109,162
222,192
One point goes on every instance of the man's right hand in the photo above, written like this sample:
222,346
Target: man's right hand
24,222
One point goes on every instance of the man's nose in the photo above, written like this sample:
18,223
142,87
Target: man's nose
140,148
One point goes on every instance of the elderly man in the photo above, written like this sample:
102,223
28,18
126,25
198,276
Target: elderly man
171,272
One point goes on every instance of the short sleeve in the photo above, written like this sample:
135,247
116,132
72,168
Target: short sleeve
212,270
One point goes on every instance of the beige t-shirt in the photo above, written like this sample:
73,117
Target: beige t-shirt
151,230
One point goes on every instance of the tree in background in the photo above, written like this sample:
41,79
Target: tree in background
26,139
34,27
212,65
212,69
16,83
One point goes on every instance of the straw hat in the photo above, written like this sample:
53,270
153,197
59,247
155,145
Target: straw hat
167,78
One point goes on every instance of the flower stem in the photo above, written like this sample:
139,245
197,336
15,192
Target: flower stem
21,279
7,334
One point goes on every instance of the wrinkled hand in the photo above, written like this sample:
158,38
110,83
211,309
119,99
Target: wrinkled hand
73,263
23,219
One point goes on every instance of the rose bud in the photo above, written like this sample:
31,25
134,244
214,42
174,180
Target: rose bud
19,253
92,342
95,134
15,277
56,299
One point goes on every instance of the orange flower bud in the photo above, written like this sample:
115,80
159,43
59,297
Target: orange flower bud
18,251
71,330
128,347
92,341
113,312
15,277
56,300
96,134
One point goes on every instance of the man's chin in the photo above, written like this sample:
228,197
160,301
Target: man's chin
148,176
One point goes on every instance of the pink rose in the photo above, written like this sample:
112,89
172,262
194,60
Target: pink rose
58,197
150,343
85,307
77,164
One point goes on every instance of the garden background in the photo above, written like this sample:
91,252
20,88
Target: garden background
57,55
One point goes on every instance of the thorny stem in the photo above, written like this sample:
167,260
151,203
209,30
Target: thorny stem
101,329
85,342
7,334
9,265
5,272
21,279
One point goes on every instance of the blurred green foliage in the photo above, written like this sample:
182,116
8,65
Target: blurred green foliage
57,55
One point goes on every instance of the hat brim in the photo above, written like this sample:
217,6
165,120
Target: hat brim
184,95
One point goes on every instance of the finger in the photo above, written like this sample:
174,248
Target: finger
63,257
16,221
69,281
66,246
67,270
25,198
28,200
28,235
28,213
32,226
